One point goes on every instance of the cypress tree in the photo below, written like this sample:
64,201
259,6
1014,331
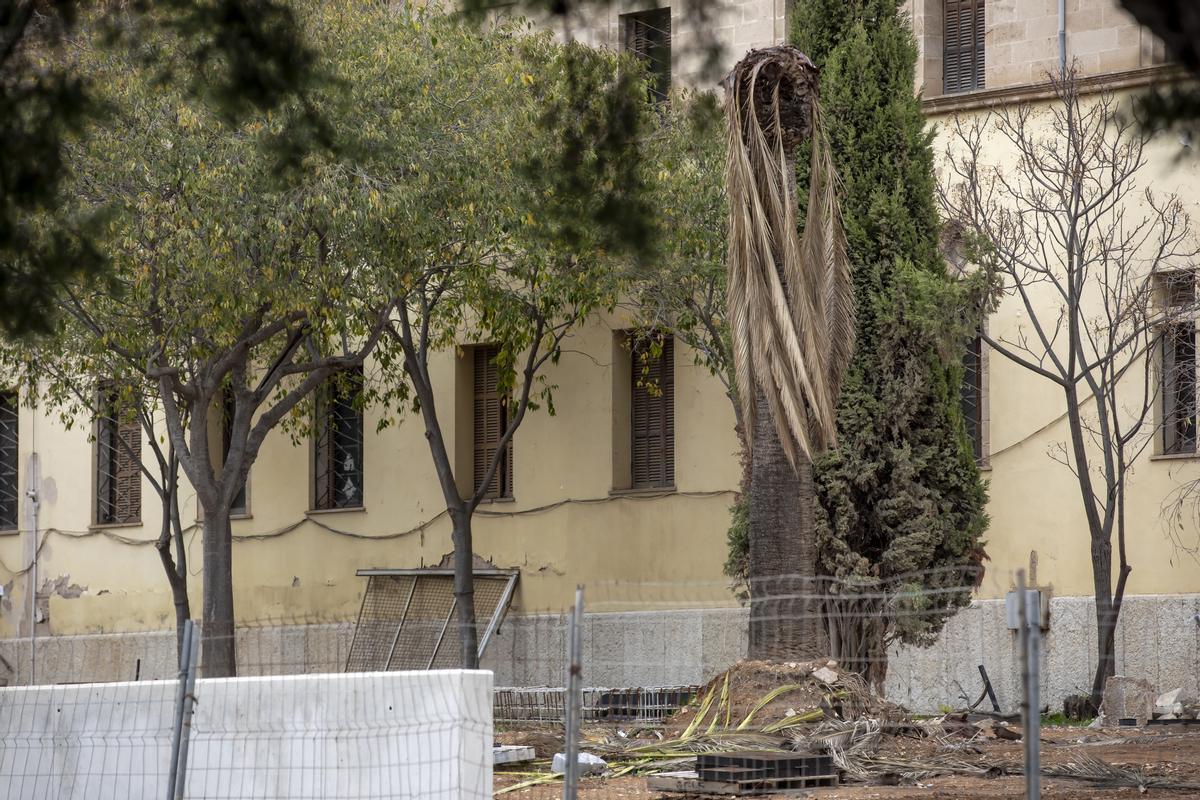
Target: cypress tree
901,493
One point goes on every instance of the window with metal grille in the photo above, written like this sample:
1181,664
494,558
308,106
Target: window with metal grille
972,394
490,420
9,486
118,465
652,411
647,34
1178,362
338,451
963,62
227,409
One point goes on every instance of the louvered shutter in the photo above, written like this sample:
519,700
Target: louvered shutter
127,480
963,56
652,408
490,419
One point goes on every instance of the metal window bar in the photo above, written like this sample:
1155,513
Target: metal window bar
118,467
647,34
1178,363
972,394
9,460
338,473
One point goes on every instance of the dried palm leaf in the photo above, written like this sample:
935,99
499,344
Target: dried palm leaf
790,298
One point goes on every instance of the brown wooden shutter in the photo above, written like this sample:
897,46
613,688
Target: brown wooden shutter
490,413
652,420
963,56
127,502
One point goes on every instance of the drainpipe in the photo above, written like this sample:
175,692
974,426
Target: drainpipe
1062,38
32,494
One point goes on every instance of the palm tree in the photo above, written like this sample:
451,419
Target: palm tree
792,326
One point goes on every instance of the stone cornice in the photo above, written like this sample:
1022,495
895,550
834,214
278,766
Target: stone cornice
1025,93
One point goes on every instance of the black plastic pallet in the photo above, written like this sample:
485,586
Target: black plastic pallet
767,770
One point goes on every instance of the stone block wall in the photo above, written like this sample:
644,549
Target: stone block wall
1022,41
1158,639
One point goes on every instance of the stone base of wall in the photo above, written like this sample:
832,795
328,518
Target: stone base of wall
1158,639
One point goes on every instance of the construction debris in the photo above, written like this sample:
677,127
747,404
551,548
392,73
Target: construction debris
1127,698
588,764
512,754
760,728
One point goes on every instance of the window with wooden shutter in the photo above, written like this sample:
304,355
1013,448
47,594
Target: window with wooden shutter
227,410
338,449
963,62
652,412
490,419
9,486
118,466
647,34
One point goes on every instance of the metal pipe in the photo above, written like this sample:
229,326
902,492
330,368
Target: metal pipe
387,664
574,709
189,703
185,653
498,614
1035,702
1029,727
1062,38
441,636
32,494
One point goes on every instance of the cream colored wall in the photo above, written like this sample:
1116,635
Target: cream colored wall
307,573
1035,505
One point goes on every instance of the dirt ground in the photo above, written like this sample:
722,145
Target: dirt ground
1166,754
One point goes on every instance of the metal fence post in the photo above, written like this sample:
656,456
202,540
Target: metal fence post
574,699
1030,639
189,703
185,655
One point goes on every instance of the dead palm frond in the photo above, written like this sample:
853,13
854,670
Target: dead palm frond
790,297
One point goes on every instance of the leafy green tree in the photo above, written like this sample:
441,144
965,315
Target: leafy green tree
477,236
243,56
901,492
224,279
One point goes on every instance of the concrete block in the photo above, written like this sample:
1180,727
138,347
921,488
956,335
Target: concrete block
414,734
1126,697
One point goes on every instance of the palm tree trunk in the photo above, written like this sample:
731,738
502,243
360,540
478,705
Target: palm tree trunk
785,620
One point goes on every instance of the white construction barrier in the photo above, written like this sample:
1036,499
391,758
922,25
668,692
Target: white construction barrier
362,735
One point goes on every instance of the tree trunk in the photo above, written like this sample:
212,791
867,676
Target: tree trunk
1106,621
785,618
217,637
464,590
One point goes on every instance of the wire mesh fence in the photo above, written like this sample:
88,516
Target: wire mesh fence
667,671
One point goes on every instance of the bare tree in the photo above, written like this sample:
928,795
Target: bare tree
1068,234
